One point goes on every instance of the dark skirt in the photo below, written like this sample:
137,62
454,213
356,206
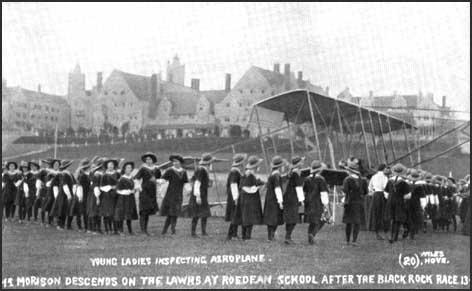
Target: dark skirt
466,225
30,201
397,210
107,204
273,215
290,213
463,208
125,208
171,207
60,205
91,207
20,199
195,210
48,201
313,212
376,215
353,213
230,208
148,202
415,216
76,207
237,214
9,194
251,209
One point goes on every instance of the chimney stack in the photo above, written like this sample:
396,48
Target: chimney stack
39,88
287,76
277,67
443,101
300,75
99,81
228,82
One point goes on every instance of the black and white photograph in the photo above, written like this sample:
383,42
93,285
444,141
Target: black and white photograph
235,145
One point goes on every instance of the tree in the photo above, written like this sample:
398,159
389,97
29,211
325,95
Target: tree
235,131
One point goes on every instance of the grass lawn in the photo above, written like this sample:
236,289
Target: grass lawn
31,250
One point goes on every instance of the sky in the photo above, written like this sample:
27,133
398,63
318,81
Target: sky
379,47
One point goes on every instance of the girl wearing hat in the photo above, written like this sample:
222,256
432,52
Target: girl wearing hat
273,205
81,195
233,202
251,208
293,197
22,192
40,186
93,201
354,187
413,205
52,188
63,195
171,206
399,193
31,177
11,177
147,174
108,184
316,200
198,204
125,208
377,186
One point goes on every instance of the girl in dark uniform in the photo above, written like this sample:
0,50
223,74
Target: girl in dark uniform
413,205
108,195
148,174
31,178
354,187
9,190
41,192
62,190
399,192
316,200
125,208
251,208
52,180
233,202
293,197
198,203
93,201
22,191
79,200
69,186
273,205
171,206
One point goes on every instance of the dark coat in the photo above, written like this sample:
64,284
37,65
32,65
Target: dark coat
148,195
354,188
78,207
31,181
432,211
413,206
314,208
108,199
52,179
20,199
273,215
251,208
290,199
202,210
41,176
9,192
125,207
92,209
397,189
172,202
60,206
233,210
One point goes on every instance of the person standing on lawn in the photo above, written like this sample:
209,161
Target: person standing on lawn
11,177
399,193
125,208
273,205
22,191
377,186
108,184
233,201
316,200
250,199
93,201
293,197
80,195
171,206
62,194
147,175
198,204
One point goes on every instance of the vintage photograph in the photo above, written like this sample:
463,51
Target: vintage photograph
235,145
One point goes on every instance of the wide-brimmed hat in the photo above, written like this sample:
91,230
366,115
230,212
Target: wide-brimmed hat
177,157
7,165
387,171
462,182
428,177
151,155
113,160
34,163
353,165
52,161
437,179
277,162
238,159
84,164
452,180
24,164
414,175
97,165
297,161
253,162
317,166
399,169
65,164
342,164
206,159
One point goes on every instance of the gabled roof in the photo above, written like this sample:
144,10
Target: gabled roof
183,103
33,96
138,84
274,78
